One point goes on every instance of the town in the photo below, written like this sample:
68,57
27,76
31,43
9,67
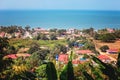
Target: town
34,53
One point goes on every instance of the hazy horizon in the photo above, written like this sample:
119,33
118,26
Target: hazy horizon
60,5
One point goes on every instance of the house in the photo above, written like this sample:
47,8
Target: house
2,34
23,55
112,51
70,31
27,35
8,35
104,58
15,56
11,56
63,58
82,52
110,30
34,34
18,34
41,30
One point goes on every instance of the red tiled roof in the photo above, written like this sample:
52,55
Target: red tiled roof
23,55
15,56
84,52
2,34
76,62
112,50
12,56
103,57
63,58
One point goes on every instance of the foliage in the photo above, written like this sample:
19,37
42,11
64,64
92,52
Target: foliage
118,60
67,73
9,29
42,53
41,71
51,68
18,70
34,47
59,48
61,32
107,69
104,48
11,50
3,45
41,37
117,33
53,37
70,43
96,36
88,76
34,59
89,31
53,30
4,63
27,42
109,37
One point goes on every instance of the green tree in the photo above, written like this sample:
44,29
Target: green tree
27,28
41,72
51,68
109,37
34,59
4,63
107,69
104,48
53,37
67,73
34,47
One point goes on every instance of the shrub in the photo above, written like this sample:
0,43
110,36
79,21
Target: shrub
104,48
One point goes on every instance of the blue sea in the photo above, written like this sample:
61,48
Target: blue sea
62,19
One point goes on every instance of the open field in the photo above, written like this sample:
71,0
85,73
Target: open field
43,43
115,45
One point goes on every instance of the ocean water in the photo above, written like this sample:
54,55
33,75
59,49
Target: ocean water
61,18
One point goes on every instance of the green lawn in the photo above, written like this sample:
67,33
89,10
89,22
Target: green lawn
28,42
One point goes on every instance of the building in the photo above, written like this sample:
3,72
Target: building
82,52
110,30
63,58
2,34
112,51
104,58
27,35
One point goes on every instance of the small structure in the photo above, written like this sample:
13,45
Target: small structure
63,58
110,30
15,56
41,30
112,51
11,56
2,34
82,52
75,62
27,35
18,34
104,58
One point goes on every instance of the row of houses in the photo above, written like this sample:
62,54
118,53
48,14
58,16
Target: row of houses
25,34
64,58
70,33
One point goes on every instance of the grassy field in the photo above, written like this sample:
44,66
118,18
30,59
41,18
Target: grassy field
27,42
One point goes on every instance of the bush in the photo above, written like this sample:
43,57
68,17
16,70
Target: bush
34,48
104,48
109,37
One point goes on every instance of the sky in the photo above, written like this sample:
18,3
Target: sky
59,4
